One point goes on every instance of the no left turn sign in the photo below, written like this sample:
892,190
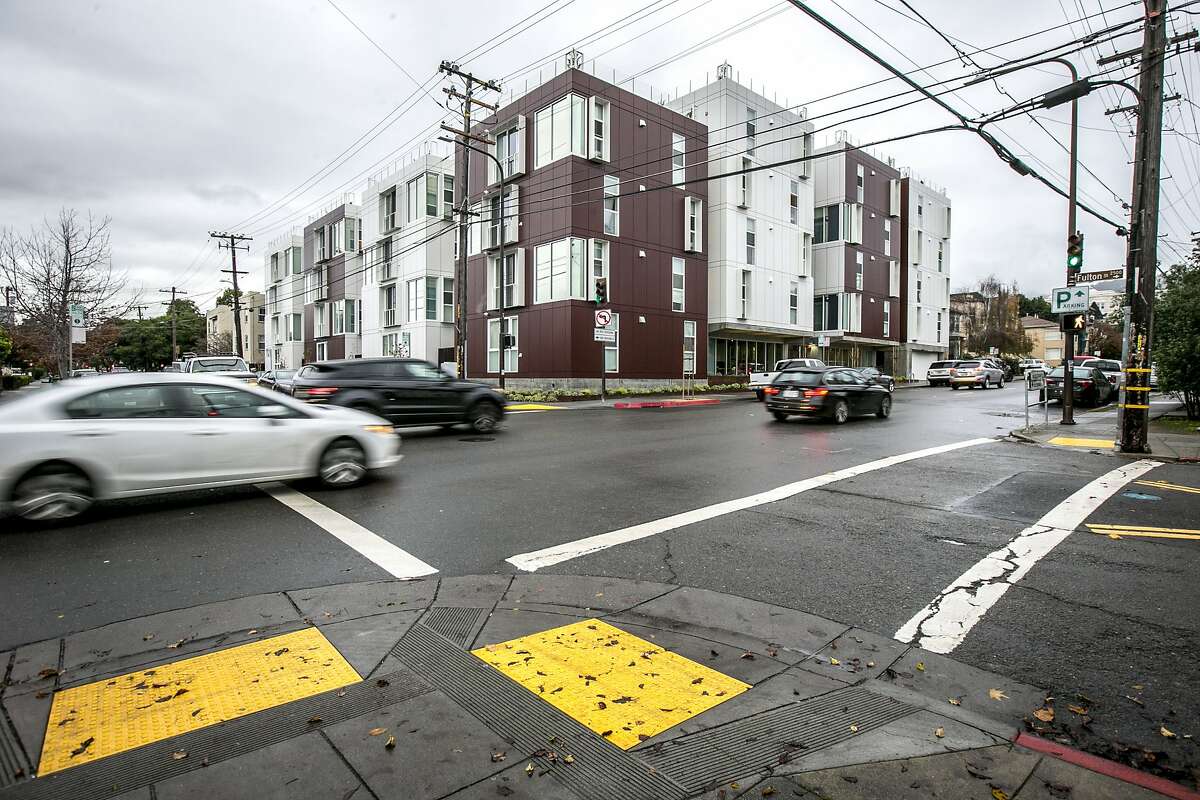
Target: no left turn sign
603,318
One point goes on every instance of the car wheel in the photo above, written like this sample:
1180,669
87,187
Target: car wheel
954,386
52,493
885,407
986,383
484,417
758,395
343,464
841,412
779,416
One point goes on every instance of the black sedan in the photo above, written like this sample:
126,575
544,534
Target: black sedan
278,379
836,393
1092,387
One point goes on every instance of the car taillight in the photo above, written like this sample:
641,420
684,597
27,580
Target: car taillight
771,390
317,391
815,392
1083,383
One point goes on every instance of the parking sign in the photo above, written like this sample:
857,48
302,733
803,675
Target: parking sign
1070,300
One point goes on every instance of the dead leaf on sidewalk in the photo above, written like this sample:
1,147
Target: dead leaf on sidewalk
500,756
999,794
1045,714
1168,734
529,769
768,791
996,694
179,755
1080,710
568,759
920,666
834,661
940,733
854,729
390,744
1114,536
954,701
1137,700
83,746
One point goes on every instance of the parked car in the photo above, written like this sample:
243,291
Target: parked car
1110,367
981,373
118,436
875,376
834,392
940,373
1091,386
1030,363
83,373
405,391
278,379
1005,368
759,381
230,366
118,370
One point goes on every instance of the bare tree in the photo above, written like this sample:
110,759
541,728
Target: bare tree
62,262
995,320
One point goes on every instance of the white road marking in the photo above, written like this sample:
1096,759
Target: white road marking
383,553
530,562
943,624
954,542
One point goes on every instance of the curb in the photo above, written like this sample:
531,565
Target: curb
1103,766
699,401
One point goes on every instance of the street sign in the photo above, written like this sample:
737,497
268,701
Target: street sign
822,341
603,318
604,334
1101,275
1070,300
75,310
1035,379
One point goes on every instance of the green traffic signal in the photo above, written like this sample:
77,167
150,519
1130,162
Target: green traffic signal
1075,252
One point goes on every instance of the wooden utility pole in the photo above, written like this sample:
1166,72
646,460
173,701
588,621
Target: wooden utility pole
231,244
464,213
171,307
1142,260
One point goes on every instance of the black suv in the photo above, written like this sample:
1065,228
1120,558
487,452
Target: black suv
404,391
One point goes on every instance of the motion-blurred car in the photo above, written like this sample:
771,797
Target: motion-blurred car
981,373
834,392
278,379
875,376
1091,386
120,436
404,391
940,373
229,366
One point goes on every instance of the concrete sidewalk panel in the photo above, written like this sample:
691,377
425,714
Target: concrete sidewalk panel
549,591
473,591
30,713
365,641
34,667
303,768
328,604
859,655
514,784
505,624
1054,780
921,778
439,748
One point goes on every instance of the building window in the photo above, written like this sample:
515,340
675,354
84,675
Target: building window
390,344
339,318
825,312
939,326
887,237
600,265
413,200
751,129
693,207
750,236
858,270
794,203
612,209
447,299
612,350
387,210
495,220
448,198
794,304
744,184
322,351
946,233
887,318
494,345
414,298
600,113
431,194
825,224
508,281
560,129
384,259
806,149
275,330
941,254
508,142
677,160
431,299
294,324
297,262
919,256
744,296
918,287
559,270
859,183
319,244
320,321
389,305
806,254
689,347
677,283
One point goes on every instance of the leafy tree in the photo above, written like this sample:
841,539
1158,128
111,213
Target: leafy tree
220,343
6,345
1035,307
144,345
1176,343
226,297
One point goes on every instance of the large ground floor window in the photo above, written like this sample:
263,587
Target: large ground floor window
728,356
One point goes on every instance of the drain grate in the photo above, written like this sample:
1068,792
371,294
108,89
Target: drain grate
773,737
12,761
456,624
600,771
151,763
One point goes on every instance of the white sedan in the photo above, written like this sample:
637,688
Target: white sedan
135,434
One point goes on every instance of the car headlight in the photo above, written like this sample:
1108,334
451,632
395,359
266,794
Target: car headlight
386,430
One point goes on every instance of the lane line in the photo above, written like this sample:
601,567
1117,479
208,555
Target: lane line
390,558
1173,486
533,561
942,625
1148,534
1107,526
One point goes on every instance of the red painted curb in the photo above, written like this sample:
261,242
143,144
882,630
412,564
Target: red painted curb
700,401
1105,767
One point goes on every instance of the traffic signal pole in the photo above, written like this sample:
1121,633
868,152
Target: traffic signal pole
1068,414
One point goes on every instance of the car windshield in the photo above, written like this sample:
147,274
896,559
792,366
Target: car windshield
284,374
798,379
218,365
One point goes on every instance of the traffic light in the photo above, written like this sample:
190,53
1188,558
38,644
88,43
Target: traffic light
601,291
1074,253
1074,323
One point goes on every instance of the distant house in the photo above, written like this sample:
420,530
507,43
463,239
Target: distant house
1046,339
965,308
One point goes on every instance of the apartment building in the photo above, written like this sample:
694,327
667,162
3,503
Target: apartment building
332,259
221,332
408,291
1045,339
609,187
857,231
760,226
283,275
924,276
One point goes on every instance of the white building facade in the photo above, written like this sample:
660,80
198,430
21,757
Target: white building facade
283,277
408,291
925,213
760,225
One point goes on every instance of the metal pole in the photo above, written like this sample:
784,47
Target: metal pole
1068,414
502,270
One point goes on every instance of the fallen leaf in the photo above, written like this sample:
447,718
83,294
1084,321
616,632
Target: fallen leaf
1138,686
870,663
698,680
606,734
498,757
381,683
1166,733
998,794
714,654
83,746
342,693
251,632
48,672
748,655
147,637
314,720
568,759
1135,699
768,791
920,666
854,729
1045,714
390,744
529,769
834,661
1080,710
1114,536
954,701
179,754
939,733
996,694
176,644
600,704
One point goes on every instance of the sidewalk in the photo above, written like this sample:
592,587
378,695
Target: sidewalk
528,686
1097,430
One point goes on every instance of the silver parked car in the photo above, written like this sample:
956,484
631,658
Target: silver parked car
118,436
940,372
982,373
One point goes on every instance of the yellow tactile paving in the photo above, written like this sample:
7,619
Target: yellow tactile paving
622,687
1070,441
118,714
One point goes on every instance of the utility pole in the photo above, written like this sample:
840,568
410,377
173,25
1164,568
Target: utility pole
139,310
171,306
1142,261
231,244
464,214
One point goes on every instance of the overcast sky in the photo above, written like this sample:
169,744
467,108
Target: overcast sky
176,118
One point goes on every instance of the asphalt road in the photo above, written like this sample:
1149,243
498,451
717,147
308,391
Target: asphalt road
1096,617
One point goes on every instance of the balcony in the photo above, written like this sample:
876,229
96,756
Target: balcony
389,317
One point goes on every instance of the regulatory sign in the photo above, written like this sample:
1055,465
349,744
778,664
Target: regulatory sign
1070,300
75,310
822,341
604,334
1035,379
1102,275
603,318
